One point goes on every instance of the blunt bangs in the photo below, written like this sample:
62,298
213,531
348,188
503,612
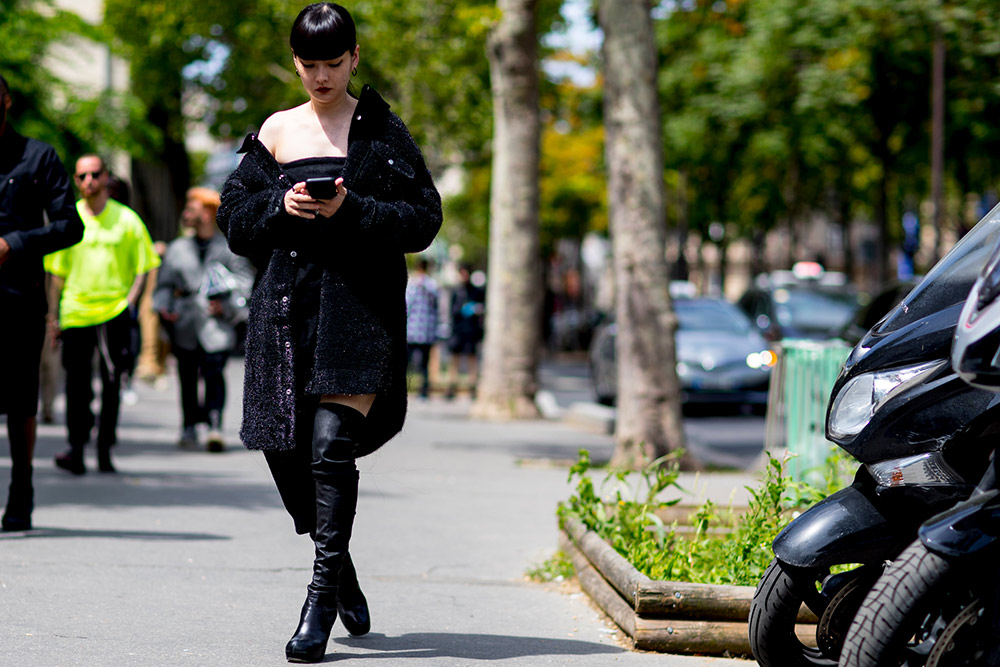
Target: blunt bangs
323,31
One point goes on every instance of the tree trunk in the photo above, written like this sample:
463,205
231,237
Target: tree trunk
512,343
648,423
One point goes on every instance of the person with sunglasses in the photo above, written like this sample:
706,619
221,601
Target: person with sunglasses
99,282
33,185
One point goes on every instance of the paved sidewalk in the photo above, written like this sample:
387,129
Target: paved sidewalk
187,558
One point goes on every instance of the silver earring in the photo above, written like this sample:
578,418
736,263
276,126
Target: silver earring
354,72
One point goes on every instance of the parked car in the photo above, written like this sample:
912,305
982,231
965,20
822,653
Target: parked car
721,357
806,302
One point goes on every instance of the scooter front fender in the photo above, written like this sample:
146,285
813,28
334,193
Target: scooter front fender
967,528
846,527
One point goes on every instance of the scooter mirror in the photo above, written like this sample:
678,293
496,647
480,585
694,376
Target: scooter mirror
975,352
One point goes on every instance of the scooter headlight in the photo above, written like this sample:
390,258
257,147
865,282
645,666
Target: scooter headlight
861,397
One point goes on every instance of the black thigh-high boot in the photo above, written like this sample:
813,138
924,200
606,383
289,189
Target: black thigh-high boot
335,434
351,603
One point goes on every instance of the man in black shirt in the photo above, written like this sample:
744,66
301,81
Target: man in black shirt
33,186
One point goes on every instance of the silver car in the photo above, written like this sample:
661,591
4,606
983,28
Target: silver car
721,356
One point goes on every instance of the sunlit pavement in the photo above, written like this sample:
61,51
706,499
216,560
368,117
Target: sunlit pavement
186,557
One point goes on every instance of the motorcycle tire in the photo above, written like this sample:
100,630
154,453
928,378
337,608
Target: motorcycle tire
915,615
775,606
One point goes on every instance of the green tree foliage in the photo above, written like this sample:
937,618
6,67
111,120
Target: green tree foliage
572,188
45,107
230,68
775,109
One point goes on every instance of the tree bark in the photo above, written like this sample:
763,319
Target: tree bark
508,381
648,423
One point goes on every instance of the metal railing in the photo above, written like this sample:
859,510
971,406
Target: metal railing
801,382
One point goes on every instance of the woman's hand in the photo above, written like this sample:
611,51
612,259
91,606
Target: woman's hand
300,204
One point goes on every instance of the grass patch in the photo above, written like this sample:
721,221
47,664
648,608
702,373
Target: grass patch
558,567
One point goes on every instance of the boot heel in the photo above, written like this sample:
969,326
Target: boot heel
308,644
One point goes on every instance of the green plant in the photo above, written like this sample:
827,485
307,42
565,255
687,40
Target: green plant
555,568
720,548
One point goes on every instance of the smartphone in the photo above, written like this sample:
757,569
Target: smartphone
324,187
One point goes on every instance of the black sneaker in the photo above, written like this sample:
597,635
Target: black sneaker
71,462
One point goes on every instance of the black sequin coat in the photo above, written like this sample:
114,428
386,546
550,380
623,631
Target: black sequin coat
391,208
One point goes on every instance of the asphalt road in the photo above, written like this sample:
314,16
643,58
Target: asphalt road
719,436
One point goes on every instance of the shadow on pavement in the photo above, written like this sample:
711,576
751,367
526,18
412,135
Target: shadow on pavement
468,646
43,532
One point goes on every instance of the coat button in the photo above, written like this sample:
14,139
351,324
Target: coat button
293,254
391,162
288,392
284,299
287,344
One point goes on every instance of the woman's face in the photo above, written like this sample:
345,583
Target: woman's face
326,80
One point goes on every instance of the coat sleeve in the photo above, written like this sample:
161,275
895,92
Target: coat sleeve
246,215
65,227
244,272
409,222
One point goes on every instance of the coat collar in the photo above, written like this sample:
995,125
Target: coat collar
369,117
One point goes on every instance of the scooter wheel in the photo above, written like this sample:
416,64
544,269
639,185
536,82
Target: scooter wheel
776,605
920,613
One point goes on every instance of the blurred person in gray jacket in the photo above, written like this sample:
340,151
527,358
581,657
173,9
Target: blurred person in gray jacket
201,295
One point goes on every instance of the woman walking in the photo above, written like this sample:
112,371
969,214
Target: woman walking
326,338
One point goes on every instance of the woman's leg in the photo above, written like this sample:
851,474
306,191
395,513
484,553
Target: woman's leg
336,430
360,402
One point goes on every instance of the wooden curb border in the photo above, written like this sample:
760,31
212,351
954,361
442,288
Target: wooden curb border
668,616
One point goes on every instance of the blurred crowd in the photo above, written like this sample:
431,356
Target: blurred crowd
444,328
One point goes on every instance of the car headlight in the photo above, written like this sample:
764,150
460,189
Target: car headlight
857,402
762,360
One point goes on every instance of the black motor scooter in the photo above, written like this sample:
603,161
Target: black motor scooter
923,437
936,605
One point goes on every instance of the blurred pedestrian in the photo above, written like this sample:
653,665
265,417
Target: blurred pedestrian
33,185
151,366
201,294
421,322
118,190
99,281
326,338
467,309
50,369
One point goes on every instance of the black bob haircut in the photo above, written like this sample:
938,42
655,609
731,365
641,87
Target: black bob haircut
323,31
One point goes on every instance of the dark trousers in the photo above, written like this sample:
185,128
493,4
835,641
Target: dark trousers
422,352
209,366
112,342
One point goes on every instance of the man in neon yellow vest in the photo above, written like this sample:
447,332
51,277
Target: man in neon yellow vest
100,281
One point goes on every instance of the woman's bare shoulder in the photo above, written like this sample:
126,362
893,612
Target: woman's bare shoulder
273,129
